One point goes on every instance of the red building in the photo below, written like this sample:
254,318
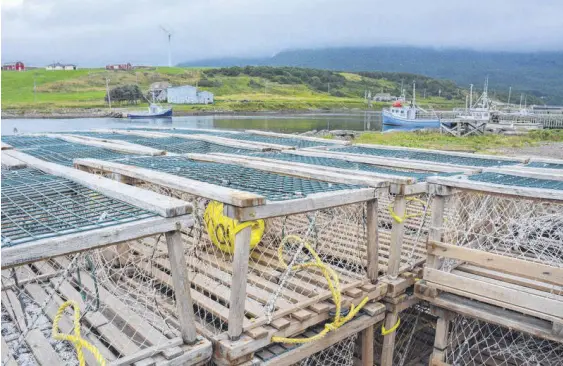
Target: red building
126,66
15,66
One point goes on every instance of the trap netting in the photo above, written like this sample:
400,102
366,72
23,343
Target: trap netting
474,342
123,292
281,273
339,354
414,341
416,220
514,226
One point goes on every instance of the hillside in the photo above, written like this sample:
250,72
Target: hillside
537,74
235,89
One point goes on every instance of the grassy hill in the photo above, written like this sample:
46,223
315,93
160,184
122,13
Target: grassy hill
537,74
235,89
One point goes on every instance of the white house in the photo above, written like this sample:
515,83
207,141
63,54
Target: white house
187,94
59,66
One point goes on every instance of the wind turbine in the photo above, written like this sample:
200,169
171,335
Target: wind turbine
169,45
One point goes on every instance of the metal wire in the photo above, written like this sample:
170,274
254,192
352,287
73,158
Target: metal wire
37,206
298,143
537,164
65,154
24,142
425,156
515,180
183,132
342,164
274,187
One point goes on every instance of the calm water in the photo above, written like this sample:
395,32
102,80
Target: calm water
277,123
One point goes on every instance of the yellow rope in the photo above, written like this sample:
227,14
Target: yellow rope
75,338
333,283
400,219
384,331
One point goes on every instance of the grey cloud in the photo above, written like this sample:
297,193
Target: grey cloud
95,32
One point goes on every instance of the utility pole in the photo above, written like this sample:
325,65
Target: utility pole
509,94
328,88
107,91
34,89
470,96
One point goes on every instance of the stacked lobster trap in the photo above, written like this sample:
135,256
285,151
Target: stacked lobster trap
75,289
495,256
301,246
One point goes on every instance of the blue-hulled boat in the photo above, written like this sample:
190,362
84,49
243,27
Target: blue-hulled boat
405,117
155,111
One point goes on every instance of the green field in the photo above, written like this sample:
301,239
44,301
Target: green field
482,143
85,88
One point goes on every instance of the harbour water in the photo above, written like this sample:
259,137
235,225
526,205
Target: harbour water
277,123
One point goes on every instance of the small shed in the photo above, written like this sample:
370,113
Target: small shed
205,97
185,94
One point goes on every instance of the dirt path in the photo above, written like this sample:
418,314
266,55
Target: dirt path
544,150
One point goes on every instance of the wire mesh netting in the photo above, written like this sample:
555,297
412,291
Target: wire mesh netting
180,145
537,164
123,307
65,154
425,156
474,342
274,187
337,235
37,205
343,164
516,181
194,131
287,141
339,354
24,142
527,229
414,341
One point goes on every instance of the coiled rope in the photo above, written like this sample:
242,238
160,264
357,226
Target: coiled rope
76,339
333,283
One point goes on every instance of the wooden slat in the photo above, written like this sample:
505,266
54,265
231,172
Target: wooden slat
7,358
466,184
110,145
162,205
283,167
313,202
11,163
499,262
298,137
65,323
513,299
222,194
41,349
388,162
14,308
56,246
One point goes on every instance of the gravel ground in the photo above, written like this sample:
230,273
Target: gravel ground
553,150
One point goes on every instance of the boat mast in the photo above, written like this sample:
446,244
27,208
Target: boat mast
470,95
509,94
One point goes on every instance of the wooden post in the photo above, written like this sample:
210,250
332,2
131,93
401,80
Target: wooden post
389,340
238,287
435,232
441,339
397,233
372,241
367,346
179,271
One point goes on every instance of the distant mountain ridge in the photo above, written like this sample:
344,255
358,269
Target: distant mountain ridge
537,73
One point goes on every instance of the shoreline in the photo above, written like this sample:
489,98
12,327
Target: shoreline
98,113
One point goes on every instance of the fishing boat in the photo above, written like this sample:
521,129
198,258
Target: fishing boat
155,111
405,117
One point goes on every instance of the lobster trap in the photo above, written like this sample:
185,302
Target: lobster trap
76,287
271,254
495,253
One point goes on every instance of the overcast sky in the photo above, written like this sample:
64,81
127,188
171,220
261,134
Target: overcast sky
96,32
